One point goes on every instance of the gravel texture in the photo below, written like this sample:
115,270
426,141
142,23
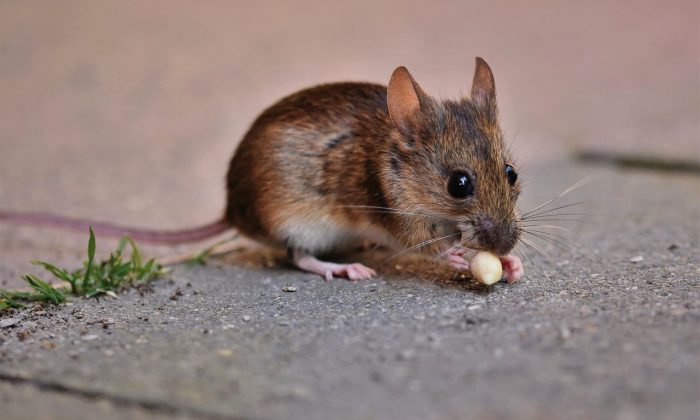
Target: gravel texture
587,334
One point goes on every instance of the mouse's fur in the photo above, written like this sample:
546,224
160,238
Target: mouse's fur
316,169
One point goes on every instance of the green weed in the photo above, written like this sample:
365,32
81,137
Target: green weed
93,279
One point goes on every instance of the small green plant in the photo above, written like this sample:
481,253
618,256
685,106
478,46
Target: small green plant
93,279
6,302
204,255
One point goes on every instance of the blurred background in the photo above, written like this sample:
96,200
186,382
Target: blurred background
129,110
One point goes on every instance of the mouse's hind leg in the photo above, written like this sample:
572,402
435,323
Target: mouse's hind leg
307,262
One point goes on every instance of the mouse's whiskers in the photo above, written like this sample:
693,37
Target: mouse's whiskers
391,210
535,225
558,196
463,243
533,247
558,241
563,229
422,244
551,212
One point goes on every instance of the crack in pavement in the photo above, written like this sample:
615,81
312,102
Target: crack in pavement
152,406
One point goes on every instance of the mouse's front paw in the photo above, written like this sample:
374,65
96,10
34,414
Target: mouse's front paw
455,258
512,268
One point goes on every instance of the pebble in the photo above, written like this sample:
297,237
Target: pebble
246,318
637,259
289,289
8,322
48,345
89,337
225,352
564,332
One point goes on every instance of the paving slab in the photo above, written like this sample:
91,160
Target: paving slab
21,401
588,334
129,112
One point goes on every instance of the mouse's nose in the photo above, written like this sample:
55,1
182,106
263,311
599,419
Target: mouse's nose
496,237
487,224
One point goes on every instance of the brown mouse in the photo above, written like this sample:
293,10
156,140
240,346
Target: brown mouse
330,167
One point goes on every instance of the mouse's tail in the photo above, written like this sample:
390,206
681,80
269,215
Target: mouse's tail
108,229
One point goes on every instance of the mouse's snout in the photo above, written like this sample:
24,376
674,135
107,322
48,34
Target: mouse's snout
496,236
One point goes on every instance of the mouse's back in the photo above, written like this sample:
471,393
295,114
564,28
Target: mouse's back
304,159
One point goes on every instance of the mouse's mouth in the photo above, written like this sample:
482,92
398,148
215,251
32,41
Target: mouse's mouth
478,236
472,237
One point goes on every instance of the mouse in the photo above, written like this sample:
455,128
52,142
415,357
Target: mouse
335,166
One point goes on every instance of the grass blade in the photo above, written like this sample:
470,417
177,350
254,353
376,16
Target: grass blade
6,302
52,294
59,273
135,254
91,257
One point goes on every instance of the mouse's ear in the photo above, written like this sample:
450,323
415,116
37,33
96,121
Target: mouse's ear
405,99
483,87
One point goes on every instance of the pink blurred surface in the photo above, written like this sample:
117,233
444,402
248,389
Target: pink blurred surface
130,110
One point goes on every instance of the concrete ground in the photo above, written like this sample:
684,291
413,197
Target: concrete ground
129,111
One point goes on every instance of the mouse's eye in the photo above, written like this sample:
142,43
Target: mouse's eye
460,185
511,174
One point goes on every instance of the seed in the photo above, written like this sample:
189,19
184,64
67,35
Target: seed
486,268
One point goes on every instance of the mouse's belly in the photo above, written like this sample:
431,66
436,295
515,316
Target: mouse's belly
315,226
320,233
